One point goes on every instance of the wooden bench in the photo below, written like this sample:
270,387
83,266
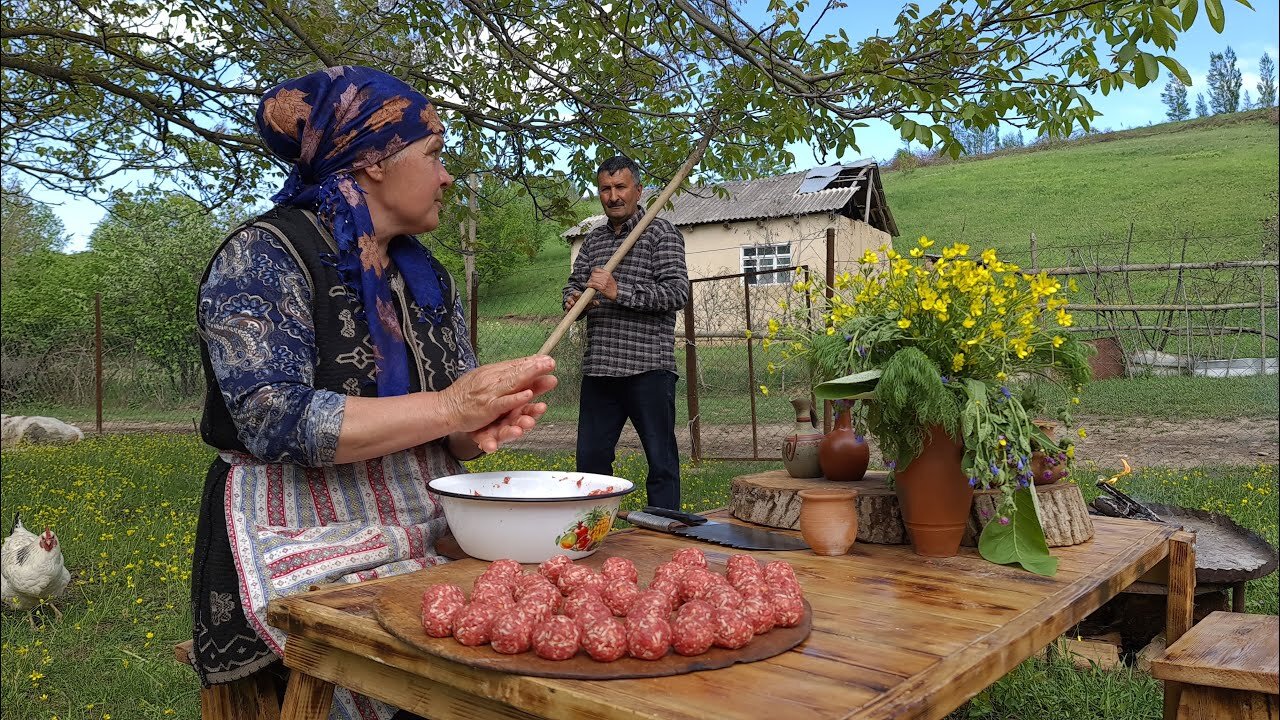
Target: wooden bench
1227,667
253,698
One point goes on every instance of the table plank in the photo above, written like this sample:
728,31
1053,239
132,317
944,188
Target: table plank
895,635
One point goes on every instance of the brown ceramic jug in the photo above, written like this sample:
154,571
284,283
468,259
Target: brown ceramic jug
829,519
1046,469
844,454
800,448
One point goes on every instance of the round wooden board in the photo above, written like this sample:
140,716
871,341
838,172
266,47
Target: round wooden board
399,610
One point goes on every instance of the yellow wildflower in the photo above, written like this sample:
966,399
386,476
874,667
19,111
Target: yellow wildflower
870,257
1058,340
764,390
957,362
1083,434
904,323
925,241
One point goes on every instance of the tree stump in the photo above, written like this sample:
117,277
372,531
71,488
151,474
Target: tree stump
771,498
1063,514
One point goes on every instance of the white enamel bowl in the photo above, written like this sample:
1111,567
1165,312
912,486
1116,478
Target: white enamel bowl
530,515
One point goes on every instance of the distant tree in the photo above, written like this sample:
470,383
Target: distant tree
1224,82
510,231
1012,139
26,225
1201,106
975,141
1174,98
1266,81
150,251
1246,101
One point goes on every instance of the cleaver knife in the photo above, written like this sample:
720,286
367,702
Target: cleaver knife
700,528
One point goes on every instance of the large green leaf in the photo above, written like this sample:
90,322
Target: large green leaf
856,386
1021,542
1213,9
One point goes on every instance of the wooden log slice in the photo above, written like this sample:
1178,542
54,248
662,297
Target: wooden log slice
1063,514
771,498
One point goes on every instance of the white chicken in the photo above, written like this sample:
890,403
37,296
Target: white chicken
31,568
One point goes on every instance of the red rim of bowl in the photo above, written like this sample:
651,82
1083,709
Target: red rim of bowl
495,498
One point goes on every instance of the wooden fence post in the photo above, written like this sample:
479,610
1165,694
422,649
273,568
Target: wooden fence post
691,382
97,357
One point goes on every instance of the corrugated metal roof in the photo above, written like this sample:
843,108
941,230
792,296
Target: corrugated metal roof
774,197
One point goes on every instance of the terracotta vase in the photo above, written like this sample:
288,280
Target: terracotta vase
829,520
800,448
1046,470
935,496
843,453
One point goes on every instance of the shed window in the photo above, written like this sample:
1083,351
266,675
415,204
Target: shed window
766,257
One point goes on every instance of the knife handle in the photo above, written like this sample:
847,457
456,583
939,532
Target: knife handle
684,517
650,522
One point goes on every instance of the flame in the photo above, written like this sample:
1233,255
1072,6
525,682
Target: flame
1112,480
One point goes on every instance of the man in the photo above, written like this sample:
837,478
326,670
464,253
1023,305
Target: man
629,366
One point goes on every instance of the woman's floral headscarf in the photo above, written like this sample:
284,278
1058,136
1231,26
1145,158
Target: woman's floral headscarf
328,125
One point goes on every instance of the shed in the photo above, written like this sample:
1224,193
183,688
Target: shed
776,221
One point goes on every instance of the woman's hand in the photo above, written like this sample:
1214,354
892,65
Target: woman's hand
484,408
509,427
495,402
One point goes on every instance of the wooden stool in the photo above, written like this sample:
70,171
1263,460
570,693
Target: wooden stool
1228,667
253,698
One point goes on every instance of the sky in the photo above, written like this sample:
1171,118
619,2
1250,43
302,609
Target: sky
1249,32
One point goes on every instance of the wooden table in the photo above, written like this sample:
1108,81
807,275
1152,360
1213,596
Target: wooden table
894,635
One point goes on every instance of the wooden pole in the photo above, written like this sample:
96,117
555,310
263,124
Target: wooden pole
473,282
751,368
97,357
828,414
691,380
1180,604
584,300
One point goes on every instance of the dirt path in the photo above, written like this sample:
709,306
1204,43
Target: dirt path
1143,441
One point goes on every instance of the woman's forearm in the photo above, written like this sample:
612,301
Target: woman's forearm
373,427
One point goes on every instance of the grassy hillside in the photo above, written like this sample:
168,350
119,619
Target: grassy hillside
1209,180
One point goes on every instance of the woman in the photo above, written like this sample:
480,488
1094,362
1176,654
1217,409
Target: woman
339,376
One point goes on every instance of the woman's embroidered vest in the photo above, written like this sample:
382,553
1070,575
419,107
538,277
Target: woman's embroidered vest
345,361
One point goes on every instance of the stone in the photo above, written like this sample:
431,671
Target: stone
15,429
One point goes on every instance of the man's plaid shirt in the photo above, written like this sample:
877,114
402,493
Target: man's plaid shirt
636,332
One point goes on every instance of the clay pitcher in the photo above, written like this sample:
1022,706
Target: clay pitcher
829,519
1048,469
935,496
800,449
843,453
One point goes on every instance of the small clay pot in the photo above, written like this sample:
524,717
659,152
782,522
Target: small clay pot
829,520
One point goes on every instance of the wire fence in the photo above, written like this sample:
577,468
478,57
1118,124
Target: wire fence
1178,316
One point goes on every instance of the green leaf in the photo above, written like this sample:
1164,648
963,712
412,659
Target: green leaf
1126,54
1021,542
1150,67
1176,68
1189,9
856,386
1213,9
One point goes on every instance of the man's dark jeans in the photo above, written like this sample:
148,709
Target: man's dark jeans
649,400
